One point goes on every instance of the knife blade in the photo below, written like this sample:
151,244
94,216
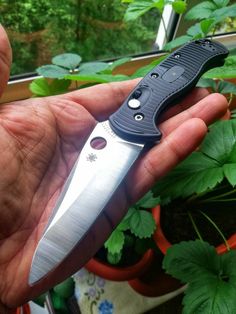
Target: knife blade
112,148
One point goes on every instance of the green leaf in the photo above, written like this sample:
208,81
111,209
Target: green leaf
148,200
114,259
118,62
206,83
40,300
224,72
221,3
92,67
58,302
98,78
230,60
141,72
52,71
195,31
203,169
142,224
137,8
230,173
41,87
115,242
177,42
223,13
201,11
179,6
196,174
225,87
211,277
207,25
67,60
66,288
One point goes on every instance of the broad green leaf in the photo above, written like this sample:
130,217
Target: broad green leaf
127,1
206,25
206,83
67,60
141,72
177,42
220,141
223,13
66,288
179,6
203,169
40,300
201,11
221,3
118,62
148,200
41,87
196,174
225,87
189,260
224,72
137,8
52,71
92,67
99,78
211,278
230,173
115,242
142,224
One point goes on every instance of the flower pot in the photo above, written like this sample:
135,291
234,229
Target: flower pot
154,281
164,244
24,309
115,273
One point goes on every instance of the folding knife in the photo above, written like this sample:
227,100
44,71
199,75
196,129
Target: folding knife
110,151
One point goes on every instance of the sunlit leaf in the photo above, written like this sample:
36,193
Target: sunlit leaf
201,11
67,60
92,67
115,242
52,71
177,42
179,6
137,8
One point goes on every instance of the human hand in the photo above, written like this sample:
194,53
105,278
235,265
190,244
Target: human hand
40,139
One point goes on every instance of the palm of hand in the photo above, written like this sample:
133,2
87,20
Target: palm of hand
39,143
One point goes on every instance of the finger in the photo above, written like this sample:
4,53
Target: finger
164,156
190,99
102,100
209,109
5,59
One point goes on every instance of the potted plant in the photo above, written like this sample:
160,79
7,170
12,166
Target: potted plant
198,196
128,252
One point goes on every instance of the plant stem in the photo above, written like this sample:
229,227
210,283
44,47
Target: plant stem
217,228
165,29
195,226
218,200
218,196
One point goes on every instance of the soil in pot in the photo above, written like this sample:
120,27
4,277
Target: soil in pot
177,226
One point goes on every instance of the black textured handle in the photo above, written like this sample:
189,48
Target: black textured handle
162,87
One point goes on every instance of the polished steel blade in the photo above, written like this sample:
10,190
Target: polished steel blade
93,180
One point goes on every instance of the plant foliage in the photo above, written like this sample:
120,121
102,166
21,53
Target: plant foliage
211,278
205,168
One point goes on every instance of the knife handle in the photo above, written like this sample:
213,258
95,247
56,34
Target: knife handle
162,87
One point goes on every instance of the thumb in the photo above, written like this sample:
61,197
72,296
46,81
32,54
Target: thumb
5,59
